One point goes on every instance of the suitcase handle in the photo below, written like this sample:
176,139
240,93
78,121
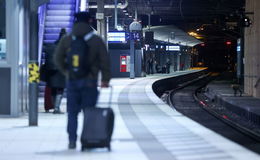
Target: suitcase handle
110,94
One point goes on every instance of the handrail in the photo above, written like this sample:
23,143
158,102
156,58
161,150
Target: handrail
42,15
77,6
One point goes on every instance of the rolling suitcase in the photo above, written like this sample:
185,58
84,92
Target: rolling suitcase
97,127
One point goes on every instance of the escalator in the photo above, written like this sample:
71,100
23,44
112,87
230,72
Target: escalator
59,15
54,15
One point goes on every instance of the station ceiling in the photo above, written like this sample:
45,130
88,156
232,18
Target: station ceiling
189,15
161,33
186,10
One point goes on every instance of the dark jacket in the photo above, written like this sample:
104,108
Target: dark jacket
97,55
54,78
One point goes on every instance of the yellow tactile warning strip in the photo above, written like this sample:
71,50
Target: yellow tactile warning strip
34,76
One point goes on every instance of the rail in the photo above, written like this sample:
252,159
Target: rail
77,7
41,17
238,125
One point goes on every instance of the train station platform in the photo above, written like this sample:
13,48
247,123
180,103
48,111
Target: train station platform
145,129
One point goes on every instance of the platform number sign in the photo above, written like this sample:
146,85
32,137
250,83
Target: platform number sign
135,36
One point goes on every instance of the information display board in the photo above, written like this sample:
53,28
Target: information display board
173,48
116,37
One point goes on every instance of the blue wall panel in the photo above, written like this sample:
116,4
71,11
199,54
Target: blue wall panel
5,83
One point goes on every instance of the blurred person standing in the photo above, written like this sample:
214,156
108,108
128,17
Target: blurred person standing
81,69
150,65
157,67
168,65
55,80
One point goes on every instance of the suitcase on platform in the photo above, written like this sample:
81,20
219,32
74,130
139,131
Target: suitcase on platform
97,127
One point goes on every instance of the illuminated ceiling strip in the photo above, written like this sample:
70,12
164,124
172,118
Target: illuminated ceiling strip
83,5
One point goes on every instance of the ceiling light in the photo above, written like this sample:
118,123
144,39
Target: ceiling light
193,34
198,37
120,28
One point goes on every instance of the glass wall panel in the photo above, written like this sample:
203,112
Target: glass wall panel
2,30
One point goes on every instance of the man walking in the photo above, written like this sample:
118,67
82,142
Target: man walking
81,86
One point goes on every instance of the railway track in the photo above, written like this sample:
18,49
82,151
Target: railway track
187,100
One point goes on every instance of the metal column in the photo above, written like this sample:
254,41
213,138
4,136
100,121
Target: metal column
100,19
132,58
107,29
33,64
178,61
149,21
115,14
33,61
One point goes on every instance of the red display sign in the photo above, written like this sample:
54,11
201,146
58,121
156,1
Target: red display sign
123,63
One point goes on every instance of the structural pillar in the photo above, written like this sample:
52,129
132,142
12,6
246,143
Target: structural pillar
135,28
252,50
178,61
101,27
115,14
33,65
132,58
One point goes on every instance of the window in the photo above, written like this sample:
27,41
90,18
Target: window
2,30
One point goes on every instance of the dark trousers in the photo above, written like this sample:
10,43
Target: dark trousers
80,94
55,91
167,69
150,69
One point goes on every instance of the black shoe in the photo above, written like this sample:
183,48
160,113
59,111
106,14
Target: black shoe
72,145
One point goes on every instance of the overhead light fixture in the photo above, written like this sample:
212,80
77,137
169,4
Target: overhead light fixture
120,28
130,16
124,11
198,37
126,14
193,34
83,5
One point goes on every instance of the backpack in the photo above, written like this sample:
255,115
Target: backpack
77,57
